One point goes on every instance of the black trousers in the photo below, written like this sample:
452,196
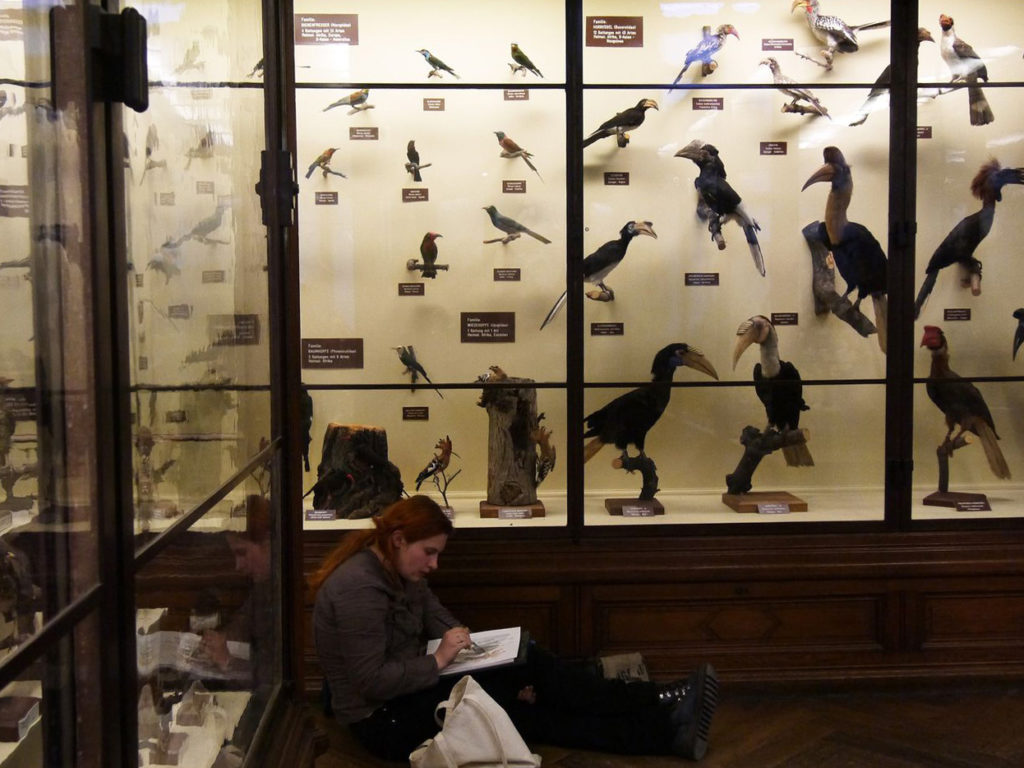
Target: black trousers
574,707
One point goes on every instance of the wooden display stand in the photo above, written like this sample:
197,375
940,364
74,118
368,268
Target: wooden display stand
962,501
764,502
634,507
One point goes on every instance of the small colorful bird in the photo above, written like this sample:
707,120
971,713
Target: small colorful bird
407,356
709,45
522,62
512,228
356,100
323,162
438,462
510,149
436,65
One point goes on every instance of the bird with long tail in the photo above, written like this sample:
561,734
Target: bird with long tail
959,245
407,356
512,228
436,65
836,34
511,150
710,44
522,62
623,122
857,254
788,87
967,67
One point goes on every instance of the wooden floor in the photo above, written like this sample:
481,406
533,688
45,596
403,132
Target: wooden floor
956,729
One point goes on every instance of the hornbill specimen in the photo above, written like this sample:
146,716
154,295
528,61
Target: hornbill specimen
721,198
627,419
428,252
323,162
786,85
1018,335
438,462
961,402
511,150
961,242
601,262
858,256
965,65
835,33
522,62
407,356
703,52
436,65
777,384
624,121
881,86
510,227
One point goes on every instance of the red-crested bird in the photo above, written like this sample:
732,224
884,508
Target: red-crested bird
438,462
965,66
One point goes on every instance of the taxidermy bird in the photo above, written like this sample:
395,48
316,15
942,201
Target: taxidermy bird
512,228
323,162
428,252
703,52
203,229
835,33
1018,335
627,419
356,100
438,462
967,67
413,165
881,87
522,62
190,59
203,149
545,451
407,356
719,196
959,245
257,71
777,384
510,149
598,265
623,122
436,65
787,85
961,402
858,256
152,145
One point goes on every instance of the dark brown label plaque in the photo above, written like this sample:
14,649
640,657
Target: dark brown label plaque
517,94
507,274
615,31
143,363
607,329
774,147
616,178
412,289
433,104
415,195
140,280
700,278
708,102
332,353
14,200
214,276
204,187
363,133
956,314
325,198
233,330
488,327
785,318
924,132
21,405
175,417
165,198
415,413
513,186
179,311
326,28
776,44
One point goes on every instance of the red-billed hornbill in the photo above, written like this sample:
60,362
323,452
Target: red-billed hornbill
959,245
777,384
721,198
966,66
858,256
881,86
835,33
601,262
627,419
703,52
1018,335
787,86
961,401
623,122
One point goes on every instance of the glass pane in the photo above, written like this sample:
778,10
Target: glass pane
209,645
197,286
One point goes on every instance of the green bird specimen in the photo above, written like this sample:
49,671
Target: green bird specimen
436,65
522,62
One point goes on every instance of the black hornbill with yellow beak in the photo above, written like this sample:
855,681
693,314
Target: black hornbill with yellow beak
627,419
959,245
601,262
721,198
624,121
777,384
858,256
961,402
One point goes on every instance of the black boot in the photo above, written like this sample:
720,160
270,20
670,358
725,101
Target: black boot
693,705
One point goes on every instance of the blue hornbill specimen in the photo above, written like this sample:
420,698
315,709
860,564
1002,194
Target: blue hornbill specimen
881,86
835,33
601,262
858,256
623,122
703,52
627,419
959,245
721,198
777,384
961,402
1018,335
966,66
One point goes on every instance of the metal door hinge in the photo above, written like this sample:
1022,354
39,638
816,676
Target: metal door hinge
282,198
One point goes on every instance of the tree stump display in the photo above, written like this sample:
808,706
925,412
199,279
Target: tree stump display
354,477
757,445
823,285
511,447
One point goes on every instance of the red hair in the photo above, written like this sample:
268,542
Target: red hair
417,517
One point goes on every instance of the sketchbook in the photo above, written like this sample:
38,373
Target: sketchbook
493,648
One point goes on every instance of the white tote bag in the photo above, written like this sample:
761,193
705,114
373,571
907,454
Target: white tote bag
476,733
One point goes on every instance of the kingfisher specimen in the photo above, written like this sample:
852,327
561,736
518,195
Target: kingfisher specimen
510,149
512,228
522,62
703,52
623,122
787,86
436,65
965,66
835,33
598,265
323,162
777,384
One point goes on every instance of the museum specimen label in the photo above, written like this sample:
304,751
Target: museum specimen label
204,187
616,178
412,289
973,505
488,327
507,274
364,133
179,311
166,198
214,276
955,314
607,329
785,318
20,405
513,186
175,417
326,28
433,104
325,198
774,147
233,330
615,31
14,200
708,102
924,131
415,413
776,44
517,94
700,278
332,353
11,24
321,515
415,195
